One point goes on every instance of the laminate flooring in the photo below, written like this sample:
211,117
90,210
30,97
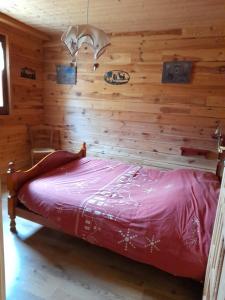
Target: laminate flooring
44,264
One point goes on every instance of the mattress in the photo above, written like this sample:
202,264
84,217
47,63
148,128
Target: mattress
162,218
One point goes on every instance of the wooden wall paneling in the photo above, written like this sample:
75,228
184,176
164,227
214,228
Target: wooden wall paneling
5,19
159,16
143,121
26,96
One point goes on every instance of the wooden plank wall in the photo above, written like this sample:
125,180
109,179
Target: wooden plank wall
26,97
143,121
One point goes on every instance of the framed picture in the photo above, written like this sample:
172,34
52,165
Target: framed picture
177,72
28,73
66,74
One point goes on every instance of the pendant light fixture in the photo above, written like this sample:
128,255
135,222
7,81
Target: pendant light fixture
75,36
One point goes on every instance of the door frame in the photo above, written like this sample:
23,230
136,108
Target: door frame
2,263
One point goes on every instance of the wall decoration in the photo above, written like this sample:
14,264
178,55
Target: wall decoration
28,73
177,72
66,74
116,77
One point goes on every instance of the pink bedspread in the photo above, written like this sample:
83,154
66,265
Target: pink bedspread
164,219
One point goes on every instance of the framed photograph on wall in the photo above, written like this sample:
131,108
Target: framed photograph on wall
28,73
66,74
177,72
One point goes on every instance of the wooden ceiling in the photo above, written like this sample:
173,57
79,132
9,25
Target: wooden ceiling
53,16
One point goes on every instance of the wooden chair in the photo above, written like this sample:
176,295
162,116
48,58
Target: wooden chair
41,139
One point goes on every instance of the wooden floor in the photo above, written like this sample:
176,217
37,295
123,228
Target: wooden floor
45,264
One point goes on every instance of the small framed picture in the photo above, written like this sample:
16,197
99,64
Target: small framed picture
66,74
28,73
177,72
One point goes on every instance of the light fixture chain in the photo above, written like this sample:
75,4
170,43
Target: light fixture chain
87,11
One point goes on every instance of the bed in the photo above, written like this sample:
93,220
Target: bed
161,218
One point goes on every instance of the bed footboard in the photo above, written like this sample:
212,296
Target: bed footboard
16,179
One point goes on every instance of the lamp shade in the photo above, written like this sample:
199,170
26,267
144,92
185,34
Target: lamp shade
75,36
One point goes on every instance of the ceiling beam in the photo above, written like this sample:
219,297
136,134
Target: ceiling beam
23,27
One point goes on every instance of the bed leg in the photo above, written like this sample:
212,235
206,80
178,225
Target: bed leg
11,212
11,198
13,224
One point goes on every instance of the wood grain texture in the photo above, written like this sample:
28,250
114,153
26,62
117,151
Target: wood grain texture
143,121
215,273
119,16
2,260
21,26
26,97
62,267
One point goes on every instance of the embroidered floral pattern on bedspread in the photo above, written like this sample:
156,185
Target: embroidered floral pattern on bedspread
160,218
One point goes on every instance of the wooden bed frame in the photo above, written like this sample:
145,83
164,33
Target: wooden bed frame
15,208
215,275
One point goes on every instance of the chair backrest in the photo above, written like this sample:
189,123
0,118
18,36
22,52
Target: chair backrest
41,136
